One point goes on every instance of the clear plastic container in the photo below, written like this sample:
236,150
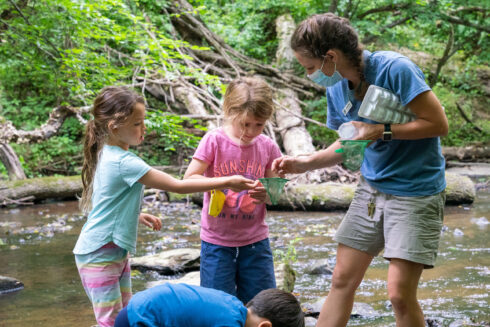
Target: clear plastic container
347,131
383,106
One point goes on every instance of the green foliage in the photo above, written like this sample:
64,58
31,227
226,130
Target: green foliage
288,256
170,130
249,26
57,155
322,135
55,52
172,136
461,132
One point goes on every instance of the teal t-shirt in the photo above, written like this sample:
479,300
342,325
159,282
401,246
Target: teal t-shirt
116,201
398,167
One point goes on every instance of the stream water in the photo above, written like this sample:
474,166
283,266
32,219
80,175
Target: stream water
36,244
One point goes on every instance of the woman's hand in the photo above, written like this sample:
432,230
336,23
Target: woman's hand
368,131
238,183
289,165
151,221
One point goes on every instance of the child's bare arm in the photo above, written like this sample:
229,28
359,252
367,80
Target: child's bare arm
160,180
196,169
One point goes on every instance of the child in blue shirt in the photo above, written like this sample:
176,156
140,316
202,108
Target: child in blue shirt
195,306
113,182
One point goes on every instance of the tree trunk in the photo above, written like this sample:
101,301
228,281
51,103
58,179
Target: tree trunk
193,104
295,138
11,162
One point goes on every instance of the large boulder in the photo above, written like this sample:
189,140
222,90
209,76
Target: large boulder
459,189
285,277
169,262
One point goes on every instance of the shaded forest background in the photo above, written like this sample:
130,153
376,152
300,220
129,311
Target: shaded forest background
55,55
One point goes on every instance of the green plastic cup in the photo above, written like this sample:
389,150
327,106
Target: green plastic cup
353,153
274,187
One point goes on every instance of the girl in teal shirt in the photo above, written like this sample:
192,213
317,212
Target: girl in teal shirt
113,182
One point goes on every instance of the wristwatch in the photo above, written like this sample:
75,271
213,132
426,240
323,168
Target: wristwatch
387,135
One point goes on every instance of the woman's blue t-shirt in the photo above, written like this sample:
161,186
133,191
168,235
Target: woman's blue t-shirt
185,306
398,167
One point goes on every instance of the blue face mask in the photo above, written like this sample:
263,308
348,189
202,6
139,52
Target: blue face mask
321,79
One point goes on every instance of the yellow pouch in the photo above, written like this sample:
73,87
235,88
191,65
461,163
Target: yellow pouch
216,202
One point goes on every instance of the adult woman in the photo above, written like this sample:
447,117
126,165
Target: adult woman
399,201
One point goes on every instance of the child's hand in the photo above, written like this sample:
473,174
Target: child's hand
151,221
239,183
259,194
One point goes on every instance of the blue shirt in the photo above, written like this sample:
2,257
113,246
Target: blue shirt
182,305
116,201
398,167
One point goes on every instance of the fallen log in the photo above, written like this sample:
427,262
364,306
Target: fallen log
37,189
322,197
467,153
337,196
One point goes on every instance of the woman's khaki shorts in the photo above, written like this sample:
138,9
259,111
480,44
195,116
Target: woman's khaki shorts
407,227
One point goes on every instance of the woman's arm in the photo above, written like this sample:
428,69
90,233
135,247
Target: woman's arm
431,121
297,165
158,179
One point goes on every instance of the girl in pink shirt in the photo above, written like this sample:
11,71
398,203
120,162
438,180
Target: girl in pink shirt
235,252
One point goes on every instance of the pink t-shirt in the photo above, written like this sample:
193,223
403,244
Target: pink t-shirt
241,222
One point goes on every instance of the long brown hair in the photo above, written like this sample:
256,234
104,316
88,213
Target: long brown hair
112,106
248,95
317,34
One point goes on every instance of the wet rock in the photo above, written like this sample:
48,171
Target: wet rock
169,262
319,267
285,278
459,189
458,232
470,169
434,322
481,222
359,310
191,278
310,322
9,284
363,310
466,323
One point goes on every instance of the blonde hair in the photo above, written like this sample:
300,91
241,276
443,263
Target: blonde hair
113,105
248,95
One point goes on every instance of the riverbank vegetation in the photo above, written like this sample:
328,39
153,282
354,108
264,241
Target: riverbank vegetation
57,54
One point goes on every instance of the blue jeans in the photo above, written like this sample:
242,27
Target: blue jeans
122,318
240,271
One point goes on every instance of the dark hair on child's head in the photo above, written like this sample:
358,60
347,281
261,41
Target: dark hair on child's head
281,308
112,106
248,95
317,34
